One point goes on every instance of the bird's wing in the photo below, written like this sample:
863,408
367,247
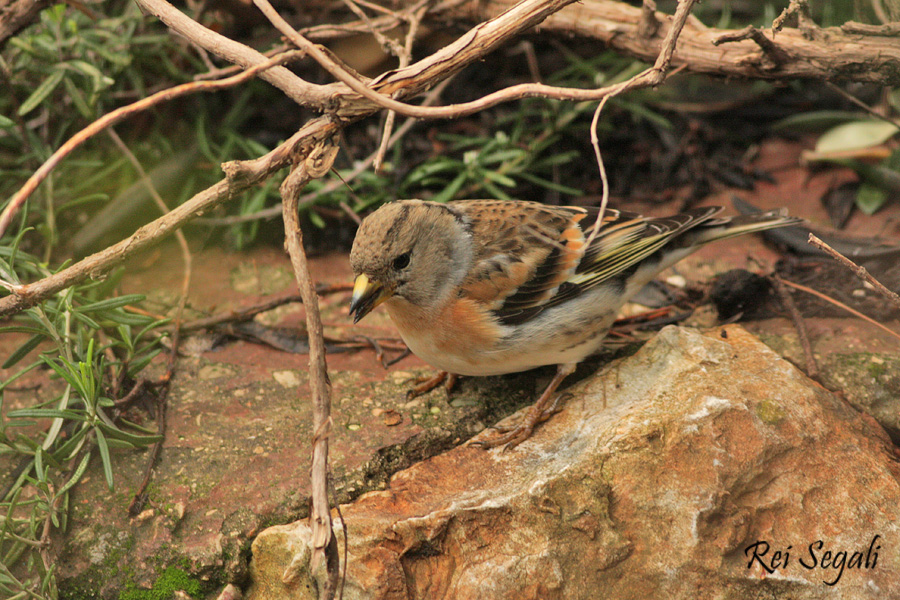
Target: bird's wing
530,256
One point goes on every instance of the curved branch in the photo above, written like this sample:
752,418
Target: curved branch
240,175
298,90
832,54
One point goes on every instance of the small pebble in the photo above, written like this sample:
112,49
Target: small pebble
287,379
676,281
392,417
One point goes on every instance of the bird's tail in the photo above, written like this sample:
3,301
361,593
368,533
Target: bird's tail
722,228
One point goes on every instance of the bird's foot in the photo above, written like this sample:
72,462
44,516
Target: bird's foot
514,435
423,386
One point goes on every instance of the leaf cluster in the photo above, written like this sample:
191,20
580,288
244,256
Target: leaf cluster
83,341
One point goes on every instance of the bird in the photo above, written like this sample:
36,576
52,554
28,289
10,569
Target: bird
489,287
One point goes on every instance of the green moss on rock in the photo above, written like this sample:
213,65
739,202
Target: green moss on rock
769,412
170,581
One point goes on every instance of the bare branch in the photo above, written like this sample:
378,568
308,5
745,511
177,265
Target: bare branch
841,305
240,175
294,87
858,270
317,163
833,54
275,211
886,30
812,368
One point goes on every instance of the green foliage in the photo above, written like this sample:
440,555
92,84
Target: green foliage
846,134
170,581
59,75
77,423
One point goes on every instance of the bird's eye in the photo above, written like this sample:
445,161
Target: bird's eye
402,261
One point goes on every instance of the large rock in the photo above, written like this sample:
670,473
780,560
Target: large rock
704,466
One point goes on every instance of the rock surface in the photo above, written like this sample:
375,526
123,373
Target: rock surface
664,476
236,455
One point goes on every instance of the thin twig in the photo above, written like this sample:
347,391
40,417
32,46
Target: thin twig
136,390
863,105
294,87
772,50
648,25
360,168
387,43
186,257
317,163
113,117
137,502
798,7
648,78
840,304
595,142
405,56
247,313
812,368
858,270
661,68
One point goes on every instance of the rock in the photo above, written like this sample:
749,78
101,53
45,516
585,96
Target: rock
275,549
870,382
704,466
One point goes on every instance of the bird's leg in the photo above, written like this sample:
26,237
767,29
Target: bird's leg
428,384
450,384
542,410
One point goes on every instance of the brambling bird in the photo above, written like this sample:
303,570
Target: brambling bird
487,287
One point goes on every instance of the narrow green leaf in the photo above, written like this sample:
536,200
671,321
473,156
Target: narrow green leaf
120,444
550,185
104,457
76,475
39,464
73,444
124,318
111,303
86,320
78,99
21,329
500,178
495,191
450,191
47,413
41,92
137,440
66,372
23,350
98,78
138,365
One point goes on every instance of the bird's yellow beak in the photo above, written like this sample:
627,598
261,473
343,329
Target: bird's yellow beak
366,296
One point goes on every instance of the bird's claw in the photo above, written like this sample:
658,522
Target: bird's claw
514,435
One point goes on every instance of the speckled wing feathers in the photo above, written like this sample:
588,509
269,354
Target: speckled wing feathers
532,256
